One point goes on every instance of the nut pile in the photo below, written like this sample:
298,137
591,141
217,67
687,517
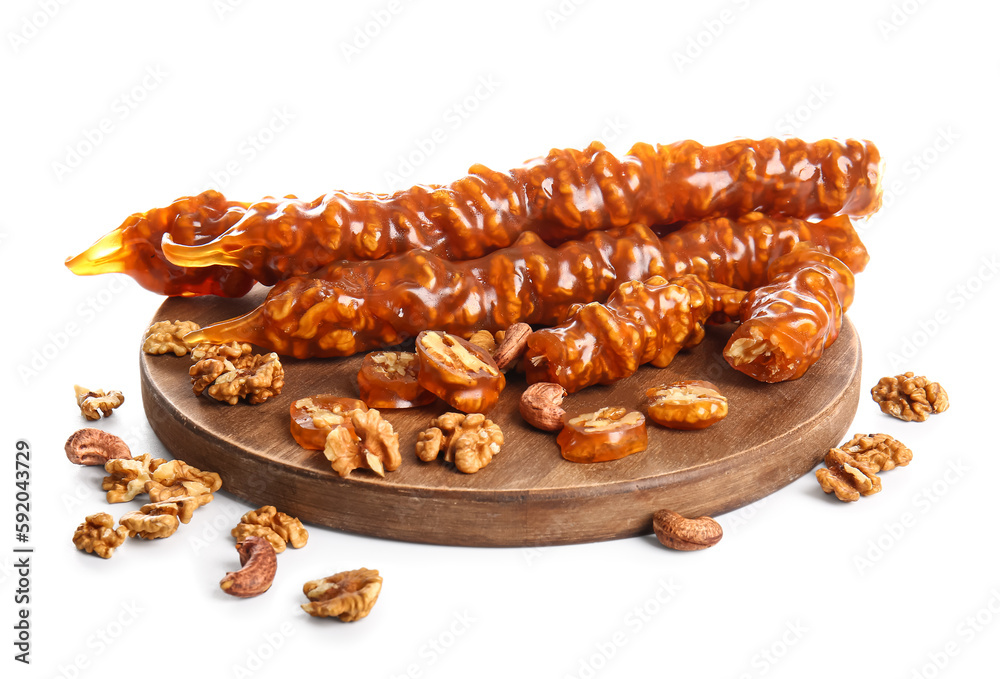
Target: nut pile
851,470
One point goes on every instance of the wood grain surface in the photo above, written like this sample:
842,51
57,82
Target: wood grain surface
528,495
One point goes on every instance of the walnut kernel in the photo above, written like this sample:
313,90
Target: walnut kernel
149,526
468,441
851,469
349,595
254,377
128,478
94,404
96,535
167,336
907,397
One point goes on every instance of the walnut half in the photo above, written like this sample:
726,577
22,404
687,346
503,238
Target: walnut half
94,404
97,535
910,398
851,470
469,441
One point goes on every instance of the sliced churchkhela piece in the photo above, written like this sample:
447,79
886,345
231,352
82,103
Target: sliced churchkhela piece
642,322
786,324
561,196
134,248
349,307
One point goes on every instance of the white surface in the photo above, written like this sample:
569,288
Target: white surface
785,594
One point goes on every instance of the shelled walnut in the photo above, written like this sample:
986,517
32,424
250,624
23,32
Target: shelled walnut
182,507
231,350
94,404
851,470
165,337
349,595
254,377
908,397
97,535
149,526
469,441
373,444
287,528
128,478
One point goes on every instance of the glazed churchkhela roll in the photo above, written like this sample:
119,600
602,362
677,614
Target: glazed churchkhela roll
349,307
561,196
642,322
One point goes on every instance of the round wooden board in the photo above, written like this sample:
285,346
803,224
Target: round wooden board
528,495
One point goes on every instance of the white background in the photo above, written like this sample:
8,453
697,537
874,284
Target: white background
801,585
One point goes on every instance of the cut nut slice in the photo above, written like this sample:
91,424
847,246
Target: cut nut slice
459,372
388,379
313,418
608,434
690,404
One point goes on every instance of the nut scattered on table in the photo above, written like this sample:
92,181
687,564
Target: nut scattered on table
484,340
149,526
94,447
177,472
259,564
910,398
93,404
97,535
686,405
165,337
254,377
128,478
851,470
287,528
513,343
541,406
677,532
349,595
468,441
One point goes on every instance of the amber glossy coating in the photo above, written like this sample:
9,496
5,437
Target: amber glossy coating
686,405
560,196
459,372
359,306
786,324
134,248
642,322
313,418
609,434
388,379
